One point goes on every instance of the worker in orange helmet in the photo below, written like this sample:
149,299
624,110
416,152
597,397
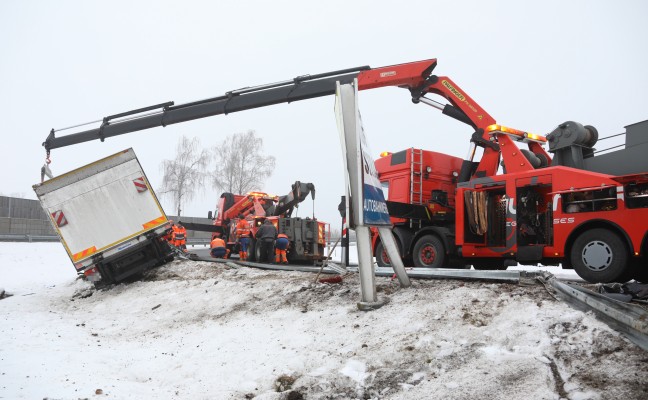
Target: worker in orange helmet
281,245
243,234
218,247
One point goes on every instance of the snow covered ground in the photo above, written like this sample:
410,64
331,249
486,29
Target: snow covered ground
198,330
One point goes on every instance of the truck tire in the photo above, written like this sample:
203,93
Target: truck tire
381,256
252,251
429,252
600,256
102,284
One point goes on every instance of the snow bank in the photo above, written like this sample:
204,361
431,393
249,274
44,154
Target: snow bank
201,330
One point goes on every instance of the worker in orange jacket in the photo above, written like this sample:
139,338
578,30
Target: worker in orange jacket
281,245
243,233
174,233
218,247
183,239
180,236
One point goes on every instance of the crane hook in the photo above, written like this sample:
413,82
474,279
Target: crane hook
45,169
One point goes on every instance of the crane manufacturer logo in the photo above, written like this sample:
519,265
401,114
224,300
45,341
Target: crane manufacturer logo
388,73
459,96
453,90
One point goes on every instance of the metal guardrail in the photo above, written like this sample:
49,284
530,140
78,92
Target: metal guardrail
197,241
28,238
52,238
626,318
206,241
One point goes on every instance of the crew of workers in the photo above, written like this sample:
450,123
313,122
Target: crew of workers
267,239
177,236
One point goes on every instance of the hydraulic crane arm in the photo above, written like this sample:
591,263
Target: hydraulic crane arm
414,76
287,203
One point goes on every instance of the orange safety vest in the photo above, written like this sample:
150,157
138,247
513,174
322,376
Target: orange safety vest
179,233
182,234
217,242
242,228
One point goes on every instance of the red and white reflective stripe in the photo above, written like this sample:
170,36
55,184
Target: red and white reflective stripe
140,184
59,218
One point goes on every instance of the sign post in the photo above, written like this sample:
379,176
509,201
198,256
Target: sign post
366,206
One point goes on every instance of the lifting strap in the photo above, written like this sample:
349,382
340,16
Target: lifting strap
476,205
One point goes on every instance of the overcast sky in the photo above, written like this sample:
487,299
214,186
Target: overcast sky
530,65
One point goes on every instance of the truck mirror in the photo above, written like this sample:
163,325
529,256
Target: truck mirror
209,214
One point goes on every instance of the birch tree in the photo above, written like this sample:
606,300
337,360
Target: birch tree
241,166
185,175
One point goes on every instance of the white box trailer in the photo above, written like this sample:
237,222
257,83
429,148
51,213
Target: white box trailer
108,218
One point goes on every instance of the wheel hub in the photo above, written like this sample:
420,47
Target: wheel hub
428,254
385,257
597,255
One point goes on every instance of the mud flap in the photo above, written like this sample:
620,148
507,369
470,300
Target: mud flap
529,253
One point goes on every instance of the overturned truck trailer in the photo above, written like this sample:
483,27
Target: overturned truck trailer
108,218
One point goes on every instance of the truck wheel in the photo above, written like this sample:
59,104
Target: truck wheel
429,252
640,271
382,259
599,255
252,251
102,284
257,252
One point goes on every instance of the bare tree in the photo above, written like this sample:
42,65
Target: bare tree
240,164
186,174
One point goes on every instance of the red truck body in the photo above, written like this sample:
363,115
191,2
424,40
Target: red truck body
594,222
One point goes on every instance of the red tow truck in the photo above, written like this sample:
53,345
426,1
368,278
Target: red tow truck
512,205
585,212
307,236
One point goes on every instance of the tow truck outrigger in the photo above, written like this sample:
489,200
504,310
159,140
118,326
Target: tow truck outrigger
603,244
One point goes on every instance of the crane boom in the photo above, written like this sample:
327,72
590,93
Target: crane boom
416,76
410,75
233,101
